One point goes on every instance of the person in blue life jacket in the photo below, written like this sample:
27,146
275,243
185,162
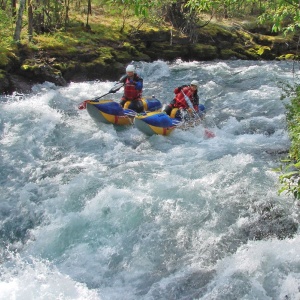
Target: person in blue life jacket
133,89
179,102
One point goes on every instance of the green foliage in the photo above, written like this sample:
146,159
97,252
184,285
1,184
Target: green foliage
6,41
129,8
290,178
6,29
227,8
138,7
262,49
285,15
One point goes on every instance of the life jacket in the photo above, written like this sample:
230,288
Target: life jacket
130,92
179,98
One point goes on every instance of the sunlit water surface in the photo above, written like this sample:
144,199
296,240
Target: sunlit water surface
91,211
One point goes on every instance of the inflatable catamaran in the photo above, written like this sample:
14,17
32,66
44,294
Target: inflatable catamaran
151,121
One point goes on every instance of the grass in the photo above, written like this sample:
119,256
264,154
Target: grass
105,27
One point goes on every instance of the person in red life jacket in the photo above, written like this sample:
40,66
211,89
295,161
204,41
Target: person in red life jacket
179,101
133,86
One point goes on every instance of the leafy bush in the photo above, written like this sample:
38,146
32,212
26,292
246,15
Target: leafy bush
290,178
6,41
6,29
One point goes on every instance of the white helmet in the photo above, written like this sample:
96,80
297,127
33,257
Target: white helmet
130,68
195,82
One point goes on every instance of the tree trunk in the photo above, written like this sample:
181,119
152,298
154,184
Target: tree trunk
89,12
67,6
17,34
30,21
14,7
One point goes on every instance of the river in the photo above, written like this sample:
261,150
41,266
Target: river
90,211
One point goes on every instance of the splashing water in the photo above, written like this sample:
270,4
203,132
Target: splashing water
91,211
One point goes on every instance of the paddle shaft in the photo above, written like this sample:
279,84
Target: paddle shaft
207,132
102,96
117,86
188,101
112,90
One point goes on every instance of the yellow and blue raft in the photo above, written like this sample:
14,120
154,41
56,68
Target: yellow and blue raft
111,112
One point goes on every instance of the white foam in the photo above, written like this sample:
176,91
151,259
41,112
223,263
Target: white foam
39,280
97,211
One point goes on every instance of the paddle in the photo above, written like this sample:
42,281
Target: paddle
208,133
114,89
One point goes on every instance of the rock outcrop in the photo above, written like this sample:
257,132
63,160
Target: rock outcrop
107,60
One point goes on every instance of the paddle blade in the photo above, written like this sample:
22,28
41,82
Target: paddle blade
209,134
116,87
188,101
82,105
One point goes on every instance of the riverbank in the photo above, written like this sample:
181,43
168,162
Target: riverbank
101,51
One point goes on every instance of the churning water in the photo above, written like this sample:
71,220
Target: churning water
90,211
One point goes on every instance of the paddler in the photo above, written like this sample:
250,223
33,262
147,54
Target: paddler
133,86
180,102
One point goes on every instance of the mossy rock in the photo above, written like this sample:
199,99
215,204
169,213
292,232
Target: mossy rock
263,40
3,74
245,35
141,57
261,52
224,45
29,67
153,35
67,51
8,58
130,48
122,56
254,27
94,70
228,54
129,52
62,66
4,60
173,54
103,52
236,47
265,52
166,51
283,47
203,52
216,32
71,71
252,53
41,72
288,56
4,82
231,54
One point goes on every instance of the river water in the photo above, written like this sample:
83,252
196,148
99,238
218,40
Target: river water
90,211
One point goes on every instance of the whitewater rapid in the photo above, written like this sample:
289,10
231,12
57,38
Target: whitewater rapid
92,211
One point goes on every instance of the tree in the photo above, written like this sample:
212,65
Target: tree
30,20
17,34
89,12
128,7
284,14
